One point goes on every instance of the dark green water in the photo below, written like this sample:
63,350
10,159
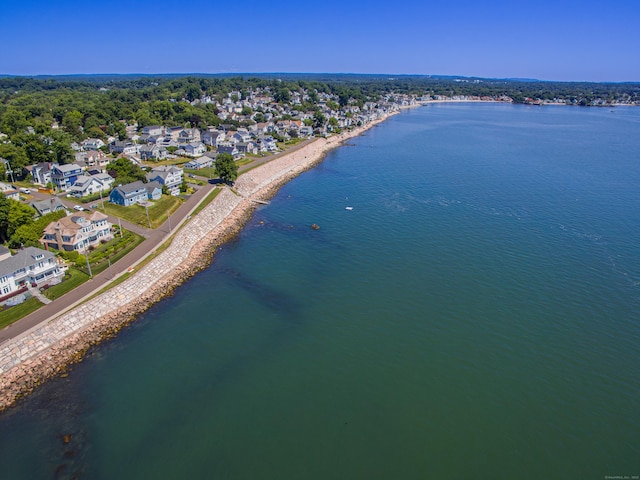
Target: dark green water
476,315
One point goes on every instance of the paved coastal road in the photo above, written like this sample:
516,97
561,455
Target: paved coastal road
153,239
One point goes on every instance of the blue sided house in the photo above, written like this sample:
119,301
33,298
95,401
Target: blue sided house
129,194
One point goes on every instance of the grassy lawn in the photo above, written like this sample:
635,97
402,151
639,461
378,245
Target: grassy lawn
244,161
113,251
257,155
289,143
158,212
12,314
71,280
169,161
207,172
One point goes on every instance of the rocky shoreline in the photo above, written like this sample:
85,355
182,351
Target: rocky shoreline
22,370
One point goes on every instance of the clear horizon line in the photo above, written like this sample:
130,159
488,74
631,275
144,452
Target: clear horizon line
161,74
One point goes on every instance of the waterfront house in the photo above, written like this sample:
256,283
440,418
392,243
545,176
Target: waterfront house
30,266
129,194
77,232
64,176
168,176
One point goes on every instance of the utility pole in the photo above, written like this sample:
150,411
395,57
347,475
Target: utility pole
86,255
146,208
10,171
120,225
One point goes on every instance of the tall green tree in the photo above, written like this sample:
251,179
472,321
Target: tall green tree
29,234
72,121
19,214
125,172
16,155
4,217
318,119
13,121
226,168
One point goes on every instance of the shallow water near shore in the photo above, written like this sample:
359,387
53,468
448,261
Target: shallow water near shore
474,315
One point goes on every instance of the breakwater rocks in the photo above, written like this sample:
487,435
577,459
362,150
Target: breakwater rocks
47,350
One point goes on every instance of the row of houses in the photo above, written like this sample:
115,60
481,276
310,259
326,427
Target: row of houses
169,177
73,179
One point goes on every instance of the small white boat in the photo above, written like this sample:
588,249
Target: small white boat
348,208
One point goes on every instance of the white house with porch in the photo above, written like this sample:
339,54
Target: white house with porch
30,266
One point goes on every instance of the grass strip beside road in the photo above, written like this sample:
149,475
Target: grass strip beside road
159,211
207,172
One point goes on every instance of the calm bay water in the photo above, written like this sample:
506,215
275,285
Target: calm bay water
475,315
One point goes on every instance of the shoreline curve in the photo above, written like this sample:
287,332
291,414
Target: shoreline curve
46,351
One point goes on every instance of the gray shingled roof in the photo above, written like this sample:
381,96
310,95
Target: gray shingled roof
52,204
24,258
129,188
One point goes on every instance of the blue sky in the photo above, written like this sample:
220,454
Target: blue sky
589,40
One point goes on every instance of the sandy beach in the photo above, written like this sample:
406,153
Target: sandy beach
47,350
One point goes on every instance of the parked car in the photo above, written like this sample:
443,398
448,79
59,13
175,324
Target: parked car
78,207
25,190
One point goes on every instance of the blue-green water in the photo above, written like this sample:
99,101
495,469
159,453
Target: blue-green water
475,315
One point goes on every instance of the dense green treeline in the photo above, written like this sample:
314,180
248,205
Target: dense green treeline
41,117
